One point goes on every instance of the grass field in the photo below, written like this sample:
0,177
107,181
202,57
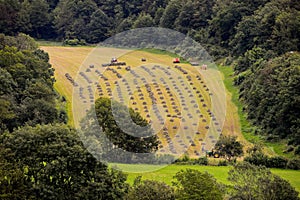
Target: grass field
219,172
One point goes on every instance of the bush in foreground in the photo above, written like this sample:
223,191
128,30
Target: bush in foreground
257,182
150,190
193,184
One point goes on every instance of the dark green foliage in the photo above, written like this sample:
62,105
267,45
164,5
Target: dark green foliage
143,20
277,162
72,18
223,163
272,26
150,190
271,95
170,14
141,140
257,182
293,164
26,84
185,160
30,17
193,184
74,42
260,159
98,27
118,134
50,162
9,16
257,159
252,58
297,150
228,147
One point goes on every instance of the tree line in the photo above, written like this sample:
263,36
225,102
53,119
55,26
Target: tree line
27,95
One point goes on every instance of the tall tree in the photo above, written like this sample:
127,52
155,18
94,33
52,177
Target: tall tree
9,16
193,184
98,27
257,182
142,140
184,21
150,190
170,14
71,17
229,147
40,19
143,20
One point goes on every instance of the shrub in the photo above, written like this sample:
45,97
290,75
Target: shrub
193,184
201,161
293,164
74,42
297,150
148,190
276,162
257,182
185,160
257,159
222,163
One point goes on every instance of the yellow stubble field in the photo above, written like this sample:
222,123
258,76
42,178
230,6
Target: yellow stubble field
171,89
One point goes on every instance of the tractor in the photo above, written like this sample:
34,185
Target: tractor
176,60
213,153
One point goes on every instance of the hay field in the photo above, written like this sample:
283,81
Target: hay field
182,112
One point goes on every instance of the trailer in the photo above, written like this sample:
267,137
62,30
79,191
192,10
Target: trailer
114,62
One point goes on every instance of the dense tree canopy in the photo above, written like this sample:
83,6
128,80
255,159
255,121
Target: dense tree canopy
252,182
193,184
271,92
26,84
150,190
113,117
50,162
114,132
228,147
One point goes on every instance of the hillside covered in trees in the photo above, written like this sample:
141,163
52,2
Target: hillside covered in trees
43,158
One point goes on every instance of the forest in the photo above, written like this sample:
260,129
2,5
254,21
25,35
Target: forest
41,157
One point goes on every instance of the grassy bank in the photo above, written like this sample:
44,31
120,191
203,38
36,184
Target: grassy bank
220,173
246,127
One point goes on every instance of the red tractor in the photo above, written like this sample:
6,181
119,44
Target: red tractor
176,60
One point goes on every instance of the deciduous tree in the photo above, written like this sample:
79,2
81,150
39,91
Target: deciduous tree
229,147
193,184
